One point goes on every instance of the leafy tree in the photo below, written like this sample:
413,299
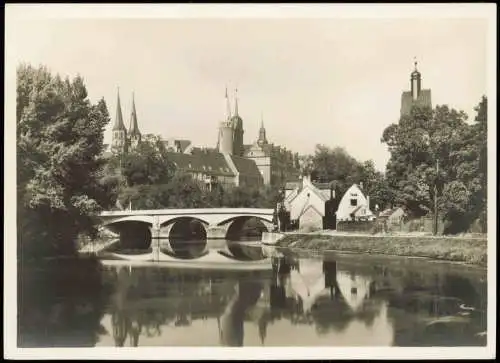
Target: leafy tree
375,185
180,192
59,157
147,164
337,166
435,154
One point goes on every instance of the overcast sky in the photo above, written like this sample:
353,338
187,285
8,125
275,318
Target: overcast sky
336,82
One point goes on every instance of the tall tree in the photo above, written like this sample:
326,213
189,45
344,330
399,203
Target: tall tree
434,155
59,155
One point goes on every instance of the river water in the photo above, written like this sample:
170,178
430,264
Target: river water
303,300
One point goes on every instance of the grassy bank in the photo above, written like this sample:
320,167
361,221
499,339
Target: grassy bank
459,249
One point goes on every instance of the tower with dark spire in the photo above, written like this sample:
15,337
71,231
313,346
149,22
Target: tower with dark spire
134,134
237,124
119,138
262,140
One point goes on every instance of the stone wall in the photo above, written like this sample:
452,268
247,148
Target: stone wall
356,226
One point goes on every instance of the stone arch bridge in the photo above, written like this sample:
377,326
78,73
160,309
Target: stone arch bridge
216,223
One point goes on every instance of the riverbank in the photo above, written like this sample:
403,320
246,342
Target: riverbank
469,250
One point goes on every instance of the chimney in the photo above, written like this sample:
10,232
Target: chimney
368,201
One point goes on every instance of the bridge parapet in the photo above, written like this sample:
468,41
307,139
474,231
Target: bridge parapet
191,211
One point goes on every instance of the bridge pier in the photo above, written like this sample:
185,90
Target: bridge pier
155,238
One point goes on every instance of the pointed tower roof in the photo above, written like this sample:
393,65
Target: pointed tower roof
228,107
236,119
118,125
262,132
134,127
236,102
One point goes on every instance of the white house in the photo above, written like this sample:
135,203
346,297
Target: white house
306,203
354,206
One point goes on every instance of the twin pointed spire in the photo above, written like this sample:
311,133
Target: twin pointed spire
118,126
236,102
134,127
229,115
228,106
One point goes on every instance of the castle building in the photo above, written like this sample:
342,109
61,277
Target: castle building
276,164
416,95
231,163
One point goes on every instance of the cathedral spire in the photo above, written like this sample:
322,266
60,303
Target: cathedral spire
134,127
118,126
228,106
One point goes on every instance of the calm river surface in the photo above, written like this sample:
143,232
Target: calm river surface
304,300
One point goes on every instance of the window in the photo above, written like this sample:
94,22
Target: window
354,202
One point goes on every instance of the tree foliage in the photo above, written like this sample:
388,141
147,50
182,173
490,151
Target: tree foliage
59,158
437,151
147,164
337,166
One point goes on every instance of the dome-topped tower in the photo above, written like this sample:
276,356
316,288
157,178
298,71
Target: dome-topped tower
416,95
416,82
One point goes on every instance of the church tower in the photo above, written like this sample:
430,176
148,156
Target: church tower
262,140
225,141
133,132
119,138
237,123
416,95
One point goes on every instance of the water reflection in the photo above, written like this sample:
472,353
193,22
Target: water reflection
61,303
301,302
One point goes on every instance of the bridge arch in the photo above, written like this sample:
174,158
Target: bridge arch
170,219
247,227
134,233
185,237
